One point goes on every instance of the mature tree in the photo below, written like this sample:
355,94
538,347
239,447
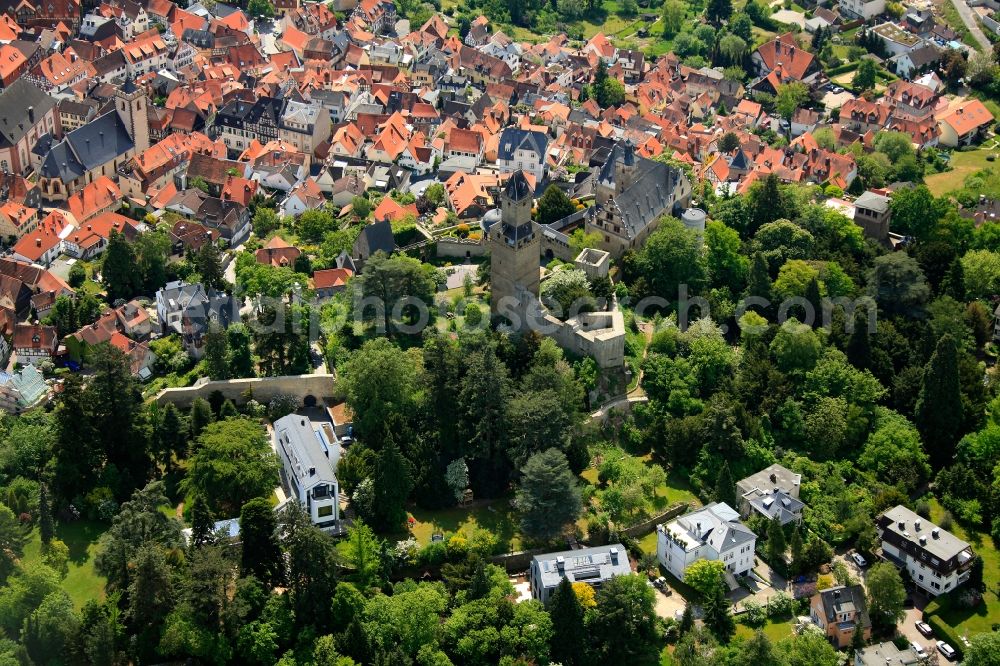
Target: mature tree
983,650
217,352
387,283
50,631
118,268
232,464
791,96
915,211
886,595
241,363
718,618
312,565
865,76
981,273
705,576
810,648
152,249
733,48
202,523
548,498
553,205
260,550
76,455
569,636
139,522
209,264
859,346
380,381
150,597
776,544
953,282
392,481
483,401
672,257
725,487
718,11
567,292
795,347
13,538
201,416
893,452
260,9
798,550
939,410
672,17
624,622
46,528
726,265
364,552
314,224
898,285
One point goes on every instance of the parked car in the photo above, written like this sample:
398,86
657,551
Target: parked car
859,560
921,652
947,650
924,628
660,582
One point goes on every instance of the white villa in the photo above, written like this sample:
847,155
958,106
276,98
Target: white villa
713,532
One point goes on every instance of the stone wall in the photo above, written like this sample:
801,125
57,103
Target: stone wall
647,526
457,247
263,389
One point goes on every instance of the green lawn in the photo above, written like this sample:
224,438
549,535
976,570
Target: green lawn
981,619
498,518
83,582
963,164
774,629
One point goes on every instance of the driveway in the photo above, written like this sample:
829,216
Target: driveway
671,607
790,17
972,23
907,628
764,584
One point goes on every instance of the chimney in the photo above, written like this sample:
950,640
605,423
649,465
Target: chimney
614,556
561,563
916,525
902,524
936,533
38,242
774,477
31,114
923,541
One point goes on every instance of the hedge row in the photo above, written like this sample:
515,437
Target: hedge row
942,630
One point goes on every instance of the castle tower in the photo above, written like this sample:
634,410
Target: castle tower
131,102
514,249
618,172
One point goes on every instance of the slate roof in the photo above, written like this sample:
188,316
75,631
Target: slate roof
648,197
88,147
376,236
514,138
14,103
716,524
845,599
517,187
778,505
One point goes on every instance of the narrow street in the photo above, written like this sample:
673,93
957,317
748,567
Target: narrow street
970,21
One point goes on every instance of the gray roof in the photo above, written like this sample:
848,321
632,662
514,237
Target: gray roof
716,524
845,599
313,453
517,187
14,104
904,523
514,138
196,305
376,236
873,201
886,654
769,479
587,565
88,147
648,197
778,505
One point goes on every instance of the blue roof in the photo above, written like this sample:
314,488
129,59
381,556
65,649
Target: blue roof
514,138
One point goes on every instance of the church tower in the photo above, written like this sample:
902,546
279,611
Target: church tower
514,249
131,103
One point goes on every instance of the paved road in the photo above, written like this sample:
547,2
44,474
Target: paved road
972,23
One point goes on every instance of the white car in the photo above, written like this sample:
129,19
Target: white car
947,650
924,628
921,652
860,561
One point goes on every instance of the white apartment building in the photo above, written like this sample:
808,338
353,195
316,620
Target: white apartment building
713,532
309,454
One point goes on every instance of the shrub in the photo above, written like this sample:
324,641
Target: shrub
433,553
779,605
484,543
281,405
458,548
755,614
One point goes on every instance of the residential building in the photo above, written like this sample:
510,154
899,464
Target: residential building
240,122
964,124
862,9
278,253
328,282
26,115
309,454
632,195
771,492
523,150
375,237
305,126
885,654
896,40
873,214
937,560
189,309
34,343
713,532
96,149
593,566
840,612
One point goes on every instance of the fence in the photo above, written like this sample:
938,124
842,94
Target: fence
648,525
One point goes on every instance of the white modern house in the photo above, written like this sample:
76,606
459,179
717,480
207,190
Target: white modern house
937,560
594,566
309,454
713,532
